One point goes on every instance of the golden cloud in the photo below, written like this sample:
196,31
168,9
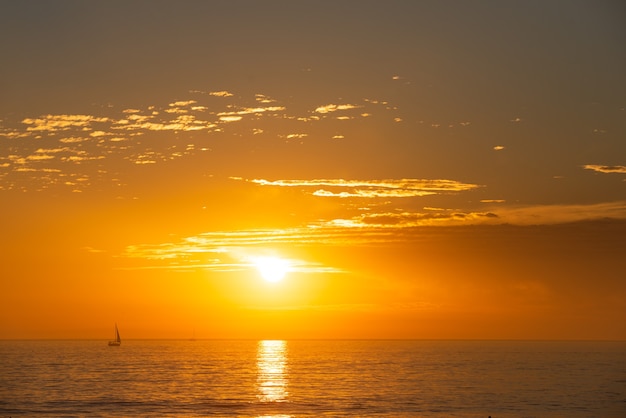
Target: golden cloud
606,168
53,123
250,110
222,93
221,251
182,103
334,107
373,188
555,214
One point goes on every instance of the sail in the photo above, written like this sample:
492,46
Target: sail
117,340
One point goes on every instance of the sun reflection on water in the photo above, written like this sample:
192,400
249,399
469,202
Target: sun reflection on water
272,371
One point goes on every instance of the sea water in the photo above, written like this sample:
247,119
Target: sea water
313,378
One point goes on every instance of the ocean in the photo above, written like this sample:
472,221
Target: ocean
332,378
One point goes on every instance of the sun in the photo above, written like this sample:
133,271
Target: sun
271,269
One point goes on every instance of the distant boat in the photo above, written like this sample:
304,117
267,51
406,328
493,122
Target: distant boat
117,340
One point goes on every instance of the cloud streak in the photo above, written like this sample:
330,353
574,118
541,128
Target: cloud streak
329,108
386,188
620,169
228,251
53,123
225,251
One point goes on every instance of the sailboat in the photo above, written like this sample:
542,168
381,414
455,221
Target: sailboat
117,340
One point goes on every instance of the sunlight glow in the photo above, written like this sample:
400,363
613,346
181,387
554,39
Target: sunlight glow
271,269
271,369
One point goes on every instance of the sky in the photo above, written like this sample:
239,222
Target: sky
404,169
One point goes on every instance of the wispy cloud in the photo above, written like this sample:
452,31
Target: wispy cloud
251,110
221,93
335,107
621,169
183,103
372,188
235,250
225,251
405,220
52,123
555,214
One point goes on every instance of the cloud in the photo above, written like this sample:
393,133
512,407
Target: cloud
52,123
40,157
403,220
182,122
261,98
222,93
182,103
373,188
14,134
555,214
334,107
177,110
73,140
621,169
81,158
222,251
230,118
251,110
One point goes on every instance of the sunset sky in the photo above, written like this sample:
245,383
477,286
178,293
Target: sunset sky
419,169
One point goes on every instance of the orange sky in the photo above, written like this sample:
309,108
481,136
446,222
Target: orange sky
426,169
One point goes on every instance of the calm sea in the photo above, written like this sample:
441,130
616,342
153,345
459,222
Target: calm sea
313,378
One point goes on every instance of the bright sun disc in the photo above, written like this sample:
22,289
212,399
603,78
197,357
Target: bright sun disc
271,269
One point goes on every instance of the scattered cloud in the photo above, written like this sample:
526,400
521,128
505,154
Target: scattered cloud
297,136
134,135
52,123
183,103
251,110
335,107
621,169
261,98
222,93
232,118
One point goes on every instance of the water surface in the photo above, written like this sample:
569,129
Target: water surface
313,378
